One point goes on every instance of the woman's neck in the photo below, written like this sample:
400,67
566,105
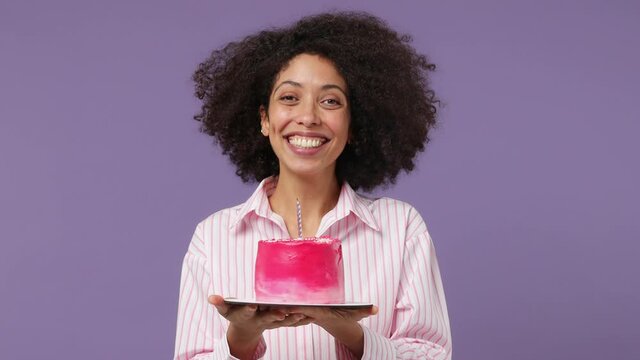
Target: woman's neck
317,195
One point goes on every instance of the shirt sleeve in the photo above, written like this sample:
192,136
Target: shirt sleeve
421,323
200,334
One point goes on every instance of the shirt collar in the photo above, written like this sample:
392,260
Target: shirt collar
257,203
348,202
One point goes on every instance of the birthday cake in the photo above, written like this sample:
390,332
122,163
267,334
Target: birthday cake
307,270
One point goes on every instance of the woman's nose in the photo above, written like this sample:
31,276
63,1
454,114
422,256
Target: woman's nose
308,115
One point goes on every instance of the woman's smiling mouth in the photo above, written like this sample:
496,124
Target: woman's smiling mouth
306,142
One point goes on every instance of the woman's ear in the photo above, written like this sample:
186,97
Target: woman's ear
264,121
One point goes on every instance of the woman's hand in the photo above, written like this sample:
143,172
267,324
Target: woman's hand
331,316
341,323
247,323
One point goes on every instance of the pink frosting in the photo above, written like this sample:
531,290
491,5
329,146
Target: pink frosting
305,270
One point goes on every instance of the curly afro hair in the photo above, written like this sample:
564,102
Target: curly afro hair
392,106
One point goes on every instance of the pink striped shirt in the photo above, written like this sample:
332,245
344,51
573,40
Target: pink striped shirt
389,260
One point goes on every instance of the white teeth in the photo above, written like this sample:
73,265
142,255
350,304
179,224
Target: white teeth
305,142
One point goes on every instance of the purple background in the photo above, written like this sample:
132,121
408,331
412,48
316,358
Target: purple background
530,187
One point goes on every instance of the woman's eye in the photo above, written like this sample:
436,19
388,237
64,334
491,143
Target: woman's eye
288,98
332,102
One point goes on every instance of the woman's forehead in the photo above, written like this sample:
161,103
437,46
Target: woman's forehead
308,70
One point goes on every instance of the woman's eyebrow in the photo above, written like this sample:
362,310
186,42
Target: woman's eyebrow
333,86
297,84
290,82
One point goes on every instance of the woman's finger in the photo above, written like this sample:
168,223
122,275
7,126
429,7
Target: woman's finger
309,311
232,312
363,313
221,306
290,320
267,318
245,312
304,320
323,313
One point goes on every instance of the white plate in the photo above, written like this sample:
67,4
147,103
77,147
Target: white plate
234,301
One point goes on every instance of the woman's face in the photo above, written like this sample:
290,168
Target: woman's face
308,117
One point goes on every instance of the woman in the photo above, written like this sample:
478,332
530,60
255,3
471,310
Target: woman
335,103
